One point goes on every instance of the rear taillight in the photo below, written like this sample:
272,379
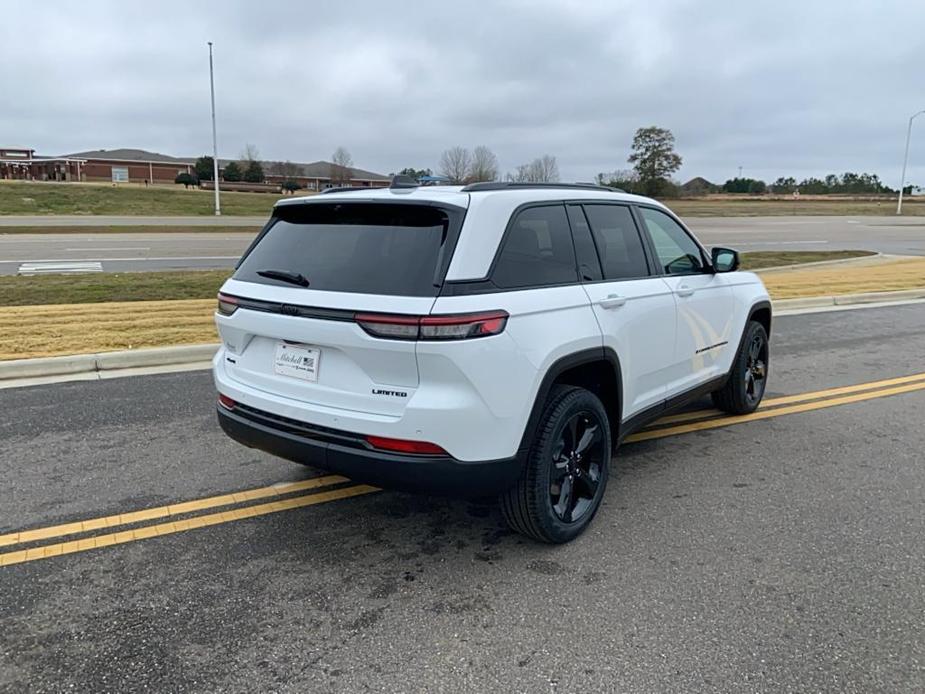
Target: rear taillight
404,446
226,402
227,304
459,326
394,327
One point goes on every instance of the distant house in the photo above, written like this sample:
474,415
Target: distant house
699,186
319,175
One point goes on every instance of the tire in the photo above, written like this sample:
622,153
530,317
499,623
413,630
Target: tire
748,377
562,484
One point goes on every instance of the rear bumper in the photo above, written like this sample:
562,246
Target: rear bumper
347,454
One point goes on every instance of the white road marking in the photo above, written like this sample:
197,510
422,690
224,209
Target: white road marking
118,248
48,268
109,260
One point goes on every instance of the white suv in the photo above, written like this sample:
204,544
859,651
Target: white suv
489,339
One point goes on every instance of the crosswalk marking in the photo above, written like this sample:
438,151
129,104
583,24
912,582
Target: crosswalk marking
59,267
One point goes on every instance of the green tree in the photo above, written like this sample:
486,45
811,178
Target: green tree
812,186
205,168
253,173
745,185
186,180
654,158
784,186
416,174
626,179
232,172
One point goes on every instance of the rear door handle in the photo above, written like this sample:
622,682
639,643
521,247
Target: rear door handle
612,301
684,290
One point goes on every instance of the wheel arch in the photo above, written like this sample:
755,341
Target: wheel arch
598,370
761,312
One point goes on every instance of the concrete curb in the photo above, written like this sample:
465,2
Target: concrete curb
105,361
850,299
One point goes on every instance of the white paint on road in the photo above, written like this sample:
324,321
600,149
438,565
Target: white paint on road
58,267
117,248
138,259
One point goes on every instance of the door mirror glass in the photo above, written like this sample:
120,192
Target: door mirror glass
725,260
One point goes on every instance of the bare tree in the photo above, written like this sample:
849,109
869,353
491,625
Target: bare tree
546,169
484,165
341,167
284,169
455,164
541,170
250,153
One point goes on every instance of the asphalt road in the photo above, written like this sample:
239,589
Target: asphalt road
786,554
155,251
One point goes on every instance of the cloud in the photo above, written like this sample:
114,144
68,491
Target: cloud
797,89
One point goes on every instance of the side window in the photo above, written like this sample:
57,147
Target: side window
618,241
589,266
677,252
537,250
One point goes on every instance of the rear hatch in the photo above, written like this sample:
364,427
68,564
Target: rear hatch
288,314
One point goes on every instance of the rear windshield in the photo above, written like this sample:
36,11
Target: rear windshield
354,247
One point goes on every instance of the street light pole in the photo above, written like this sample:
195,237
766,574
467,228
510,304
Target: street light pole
902,181
218,206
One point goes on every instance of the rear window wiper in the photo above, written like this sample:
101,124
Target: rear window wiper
286,276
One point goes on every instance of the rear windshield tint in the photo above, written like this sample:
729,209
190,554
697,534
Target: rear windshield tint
354,247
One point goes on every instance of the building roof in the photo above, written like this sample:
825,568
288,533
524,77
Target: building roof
126,154
315,169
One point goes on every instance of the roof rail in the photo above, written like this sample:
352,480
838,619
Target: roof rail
508,185
345,189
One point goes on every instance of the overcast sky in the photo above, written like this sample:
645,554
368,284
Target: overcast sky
802,88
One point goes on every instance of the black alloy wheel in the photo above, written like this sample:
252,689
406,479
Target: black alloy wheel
565,473
577,461
748,377
756,368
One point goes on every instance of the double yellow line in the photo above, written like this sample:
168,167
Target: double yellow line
176,518
175,510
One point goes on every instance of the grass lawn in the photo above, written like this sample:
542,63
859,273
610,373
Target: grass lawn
21,198
160,229
154,229
104,287
759,207
99,312
756,260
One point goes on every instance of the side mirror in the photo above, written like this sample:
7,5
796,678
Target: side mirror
725,260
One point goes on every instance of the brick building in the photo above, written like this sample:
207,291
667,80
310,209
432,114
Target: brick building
132,166
142,166
22,163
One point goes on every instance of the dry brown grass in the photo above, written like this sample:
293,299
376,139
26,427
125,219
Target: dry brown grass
50,330
830,281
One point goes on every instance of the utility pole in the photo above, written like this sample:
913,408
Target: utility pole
902,181
218,205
